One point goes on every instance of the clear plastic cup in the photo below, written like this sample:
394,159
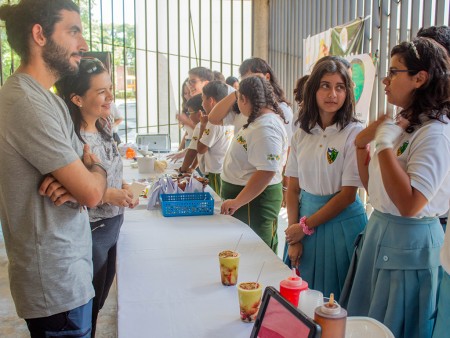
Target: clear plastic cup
309,301
229,266
249,294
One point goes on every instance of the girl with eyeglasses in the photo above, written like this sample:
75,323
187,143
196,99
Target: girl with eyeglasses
89,96
253,165
408,182
325,214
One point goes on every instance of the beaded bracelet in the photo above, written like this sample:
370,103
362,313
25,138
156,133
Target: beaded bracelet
306,230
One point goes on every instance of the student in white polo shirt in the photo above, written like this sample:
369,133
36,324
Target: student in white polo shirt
325,213
226,112
252,171
190,162
408,181
213,140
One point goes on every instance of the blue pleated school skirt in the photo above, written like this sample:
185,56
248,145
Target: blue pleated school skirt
441,327
397,274
327,253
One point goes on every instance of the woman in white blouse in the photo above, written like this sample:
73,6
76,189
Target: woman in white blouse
252,170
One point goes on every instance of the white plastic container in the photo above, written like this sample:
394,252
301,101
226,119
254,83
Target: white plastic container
146,164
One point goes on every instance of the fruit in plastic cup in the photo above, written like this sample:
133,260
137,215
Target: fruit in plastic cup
249,294
229,265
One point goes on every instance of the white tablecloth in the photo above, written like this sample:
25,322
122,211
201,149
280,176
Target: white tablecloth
168,275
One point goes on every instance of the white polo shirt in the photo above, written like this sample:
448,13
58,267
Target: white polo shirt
236,120
425,156
324,160
261,146
232,118
193,145
217,139
189,132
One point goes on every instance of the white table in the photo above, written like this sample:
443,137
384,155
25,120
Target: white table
168,275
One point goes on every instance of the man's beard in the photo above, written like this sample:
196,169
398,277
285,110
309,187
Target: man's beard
57,59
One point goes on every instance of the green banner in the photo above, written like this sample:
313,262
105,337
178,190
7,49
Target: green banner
347,39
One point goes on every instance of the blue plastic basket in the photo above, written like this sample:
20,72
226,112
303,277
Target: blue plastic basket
188,204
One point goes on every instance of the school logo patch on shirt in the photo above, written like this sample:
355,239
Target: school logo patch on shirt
332,154
273,157
402,148
206,131
195,138
242,142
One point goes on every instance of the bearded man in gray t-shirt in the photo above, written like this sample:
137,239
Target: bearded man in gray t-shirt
45,175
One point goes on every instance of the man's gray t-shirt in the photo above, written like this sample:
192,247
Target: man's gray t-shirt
49,248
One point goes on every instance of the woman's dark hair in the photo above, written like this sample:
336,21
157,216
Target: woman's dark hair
258,65
202,73
440,34
432,99
299,87
260,93
71,85
195,103
218,76
231,80
20,19
215,89
309,114
340,59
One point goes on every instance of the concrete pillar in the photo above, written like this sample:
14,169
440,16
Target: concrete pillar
260,15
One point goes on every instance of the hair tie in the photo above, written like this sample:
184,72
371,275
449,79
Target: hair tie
413,46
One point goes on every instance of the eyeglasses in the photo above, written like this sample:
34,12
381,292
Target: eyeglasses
90,65
392,72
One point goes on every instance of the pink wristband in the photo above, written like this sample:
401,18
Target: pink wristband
306,230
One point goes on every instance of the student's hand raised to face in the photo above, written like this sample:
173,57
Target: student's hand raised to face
204,119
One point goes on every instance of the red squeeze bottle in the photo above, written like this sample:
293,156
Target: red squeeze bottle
291,287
